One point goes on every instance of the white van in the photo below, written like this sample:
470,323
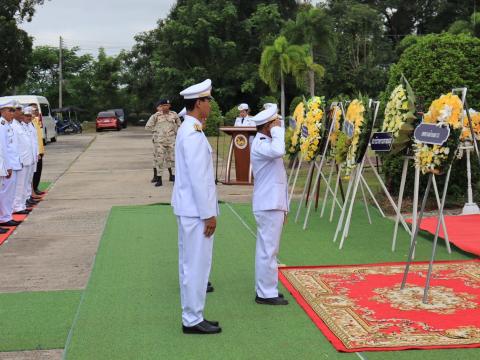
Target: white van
48,124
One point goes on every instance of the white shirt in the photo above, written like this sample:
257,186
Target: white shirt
270,187
10,145
194,192
246,121
24,141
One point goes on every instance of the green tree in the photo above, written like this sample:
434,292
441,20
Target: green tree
16,44
279,60
199,39
312,26
434,64
470,27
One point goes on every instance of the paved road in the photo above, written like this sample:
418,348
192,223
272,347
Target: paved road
55,248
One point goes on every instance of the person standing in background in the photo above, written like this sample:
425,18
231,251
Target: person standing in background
37,176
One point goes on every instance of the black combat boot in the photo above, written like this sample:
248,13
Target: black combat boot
172,177
155,176
159,181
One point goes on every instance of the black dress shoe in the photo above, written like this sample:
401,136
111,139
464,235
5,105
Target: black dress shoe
39,193
159,181
271,301
202,328
280,295
212,322
31,203
3,231
11,223
210,288
172,178
23,212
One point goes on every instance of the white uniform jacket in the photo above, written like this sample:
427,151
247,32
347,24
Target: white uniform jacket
246,122
270,186
194,191
10,145
3,159
34,140
22,136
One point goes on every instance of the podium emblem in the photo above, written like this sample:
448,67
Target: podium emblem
240,141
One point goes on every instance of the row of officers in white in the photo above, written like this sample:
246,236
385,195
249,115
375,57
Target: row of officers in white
195,204
19,154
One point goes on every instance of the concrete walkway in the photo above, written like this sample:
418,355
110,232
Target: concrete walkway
55,248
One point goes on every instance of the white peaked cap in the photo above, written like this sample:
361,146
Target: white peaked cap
28,110
265,116
8,104
196,91
243,106
182,112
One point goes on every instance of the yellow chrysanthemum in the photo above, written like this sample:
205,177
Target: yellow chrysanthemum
313,123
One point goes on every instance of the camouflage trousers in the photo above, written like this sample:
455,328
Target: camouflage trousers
163,156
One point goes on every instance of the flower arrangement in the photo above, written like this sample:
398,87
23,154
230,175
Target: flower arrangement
475,117
400,116
309,145
445,111
359,116
299,117
338,140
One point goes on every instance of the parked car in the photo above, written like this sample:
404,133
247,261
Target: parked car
121,116
46,120
108,120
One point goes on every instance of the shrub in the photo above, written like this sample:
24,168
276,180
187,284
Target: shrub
214,121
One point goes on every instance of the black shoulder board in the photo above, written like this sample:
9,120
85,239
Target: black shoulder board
262,138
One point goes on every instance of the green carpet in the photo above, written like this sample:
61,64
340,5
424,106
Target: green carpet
131,307
36,320
44,185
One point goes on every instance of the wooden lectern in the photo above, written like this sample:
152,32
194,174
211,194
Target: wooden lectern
240,151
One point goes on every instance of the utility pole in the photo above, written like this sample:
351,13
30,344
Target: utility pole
60,75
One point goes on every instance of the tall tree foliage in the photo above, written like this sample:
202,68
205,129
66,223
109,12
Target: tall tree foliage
16,44
221,40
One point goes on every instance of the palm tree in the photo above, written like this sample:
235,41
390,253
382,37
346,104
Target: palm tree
312,26
278,60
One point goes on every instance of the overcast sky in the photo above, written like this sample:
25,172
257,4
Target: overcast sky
90,24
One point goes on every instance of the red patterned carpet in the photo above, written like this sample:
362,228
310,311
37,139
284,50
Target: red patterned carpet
361,307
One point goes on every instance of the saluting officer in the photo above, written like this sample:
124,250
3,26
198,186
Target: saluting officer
194,202
270,205
164,124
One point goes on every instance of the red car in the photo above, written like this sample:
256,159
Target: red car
108,120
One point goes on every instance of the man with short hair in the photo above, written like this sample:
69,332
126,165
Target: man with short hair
194,202
164,124
270,205
7,191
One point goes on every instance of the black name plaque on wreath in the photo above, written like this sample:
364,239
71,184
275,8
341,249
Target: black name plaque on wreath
431,134
381,141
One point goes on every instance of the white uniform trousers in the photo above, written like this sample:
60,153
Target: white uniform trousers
7,195
28,185
22,180
194,260
269,231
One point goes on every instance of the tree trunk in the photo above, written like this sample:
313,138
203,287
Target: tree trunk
311,78
282,96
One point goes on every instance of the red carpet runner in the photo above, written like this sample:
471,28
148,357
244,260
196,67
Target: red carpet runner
463,231
361,307
4,237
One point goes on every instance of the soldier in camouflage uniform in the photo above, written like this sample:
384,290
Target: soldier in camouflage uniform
164,125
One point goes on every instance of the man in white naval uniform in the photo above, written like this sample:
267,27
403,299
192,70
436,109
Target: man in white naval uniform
243,119
194,202
3,169
27,118
7,191
22,136
270,205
